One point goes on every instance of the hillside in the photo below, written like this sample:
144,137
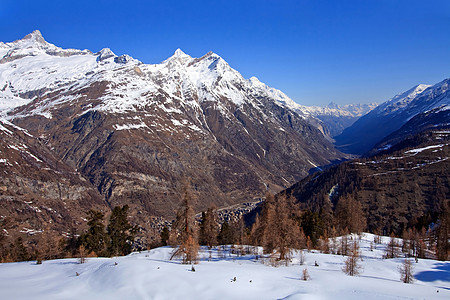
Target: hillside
38,192
403,186
151,275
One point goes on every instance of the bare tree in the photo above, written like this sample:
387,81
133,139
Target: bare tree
185,230
81,254
406,271
305,274
392,250
352,265
302,257
344,244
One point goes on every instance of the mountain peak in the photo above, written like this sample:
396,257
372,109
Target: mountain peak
179,52
35,36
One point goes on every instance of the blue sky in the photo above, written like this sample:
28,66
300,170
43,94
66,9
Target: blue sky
315,51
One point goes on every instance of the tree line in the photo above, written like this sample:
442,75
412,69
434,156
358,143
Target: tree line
114,239
280,226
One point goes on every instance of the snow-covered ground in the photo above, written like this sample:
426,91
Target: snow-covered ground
151,275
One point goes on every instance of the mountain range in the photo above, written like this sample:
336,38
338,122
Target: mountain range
134,132
83,130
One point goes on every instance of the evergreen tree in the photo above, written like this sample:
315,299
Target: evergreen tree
312,226
165,234
225,236
349,214
120,232
443,234
95,239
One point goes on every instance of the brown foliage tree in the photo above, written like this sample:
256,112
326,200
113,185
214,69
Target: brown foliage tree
392,250
278,232
352,266
406,271
208,227
443,234
350,215
184,232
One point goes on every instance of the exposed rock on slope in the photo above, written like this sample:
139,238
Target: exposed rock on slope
38,191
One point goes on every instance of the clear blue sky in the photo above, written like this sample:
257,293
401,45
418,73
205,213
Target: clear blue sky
315,51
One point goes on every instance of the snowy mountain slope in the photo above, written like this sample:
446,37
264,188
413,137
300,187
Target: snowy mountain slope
136,130
151,275
391,115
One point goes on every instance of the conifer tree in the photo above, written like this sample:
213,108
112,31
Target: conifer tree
165,234
443,234
406,271
95,239
312,226
185,231
208,227
120,232
286,232
20,253
352,266
350,215
277,231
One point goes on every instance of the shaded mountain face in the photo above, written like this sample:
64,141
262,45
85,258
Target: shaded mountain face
39,192
435,119
390,116
137,130
403,186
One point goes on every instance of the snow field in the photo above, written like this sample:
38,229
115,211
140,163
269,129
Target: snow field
151,275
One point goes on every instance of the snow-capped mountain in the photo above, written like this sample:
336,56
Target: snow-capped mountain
137,130
338,117
391,115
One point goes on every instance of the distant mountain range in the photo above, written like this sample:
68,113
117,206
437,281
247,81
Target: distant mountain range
391,115
338,117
